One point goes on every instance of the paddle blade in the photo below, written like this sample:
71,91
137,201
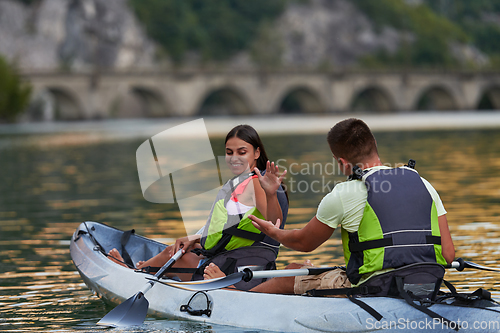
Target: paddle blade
469,264
132,312
203,285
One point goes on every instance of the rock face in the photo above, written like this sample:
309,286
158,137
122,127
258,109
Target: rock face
73,34
331,32
19,37
86,35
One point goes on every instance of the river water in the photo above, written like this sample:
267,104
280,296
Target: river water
52,181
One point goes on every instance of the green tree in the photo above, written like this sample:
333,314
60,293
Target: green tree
216,29
14,93
432,33
477,17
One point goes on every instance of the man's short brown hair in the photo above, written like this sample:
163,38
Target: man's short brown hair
353,140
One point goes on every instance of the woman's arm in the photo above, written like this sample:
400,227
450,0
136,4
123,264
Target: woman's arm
185,243
266,188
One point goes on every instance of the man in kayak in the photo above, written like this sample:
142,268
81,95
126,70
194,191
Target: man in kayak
374,194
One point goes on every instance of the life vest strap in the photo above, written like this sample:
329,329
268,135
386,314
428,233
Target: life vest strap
433,240
371,244
384,242
406,296
234,231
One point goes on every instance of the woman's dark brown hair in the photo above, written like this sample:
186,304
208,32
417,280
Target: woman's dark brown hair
248,134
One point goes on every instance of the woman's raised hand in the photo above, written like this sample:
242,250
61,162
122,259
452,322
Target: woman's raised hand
271,180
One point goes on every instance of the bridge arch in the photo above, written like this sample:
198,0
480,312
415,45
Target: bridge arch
372,99
222,101
56,103
301,99
140,101
437,98
489,98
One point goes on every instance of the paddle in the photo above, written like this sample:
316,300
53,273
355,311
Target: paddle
247,275
133,311
460,264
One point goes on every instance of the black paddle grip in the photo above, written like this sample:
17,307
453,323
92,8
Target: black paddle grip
462,264
248,274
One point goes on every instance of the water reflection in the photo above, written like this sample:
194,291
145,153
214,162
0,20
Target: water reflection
47,189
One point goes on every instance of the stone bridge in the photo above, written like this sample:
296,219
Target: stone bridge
70,96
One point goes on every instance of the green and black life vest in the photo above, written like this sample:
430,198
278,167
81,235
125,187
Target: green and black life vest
224,232
399,225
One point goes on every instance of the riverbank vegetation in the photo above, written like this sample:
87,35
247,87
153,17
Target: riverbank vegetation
14,93
449,34
217,30
435,26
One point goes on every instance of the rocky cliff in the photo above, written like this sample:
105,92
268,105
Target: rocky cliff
105,34
331,33
73,34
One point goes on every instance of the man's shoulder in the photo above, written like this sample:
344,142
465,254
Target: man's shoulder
350,186
347,189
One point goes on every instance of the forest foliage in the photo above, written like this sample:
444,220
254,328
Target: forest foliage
216,30
435,24
14,93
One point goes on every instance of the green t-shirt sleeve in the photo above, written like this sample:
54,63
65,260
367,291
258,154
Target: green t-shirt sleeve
330,210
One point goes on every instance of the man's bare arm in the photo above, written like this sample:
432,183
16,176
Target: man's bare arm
446,242
306,239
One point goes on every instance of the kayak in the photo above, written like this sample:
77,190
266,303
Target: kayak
247,310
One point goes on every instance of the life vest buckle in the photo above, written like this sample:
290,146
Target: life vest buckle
357,173
363,290
411,164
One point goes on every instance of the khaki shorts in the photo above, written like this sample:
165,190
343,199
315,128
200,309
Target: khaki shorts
328,280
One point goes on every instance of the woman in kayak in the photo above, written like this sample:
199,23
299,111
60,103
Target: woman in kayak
256,189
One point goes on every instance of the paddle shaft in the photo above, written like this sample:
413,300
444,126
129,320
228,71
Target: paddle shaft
457,265
169,263
286,272
460,264
161,271
247,275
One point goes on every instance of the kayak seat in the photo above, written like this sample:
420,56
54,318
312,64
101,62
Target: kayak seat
418,284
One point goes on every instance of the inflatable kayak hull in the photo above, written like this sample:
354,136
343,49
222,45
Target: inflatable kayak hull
283,313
